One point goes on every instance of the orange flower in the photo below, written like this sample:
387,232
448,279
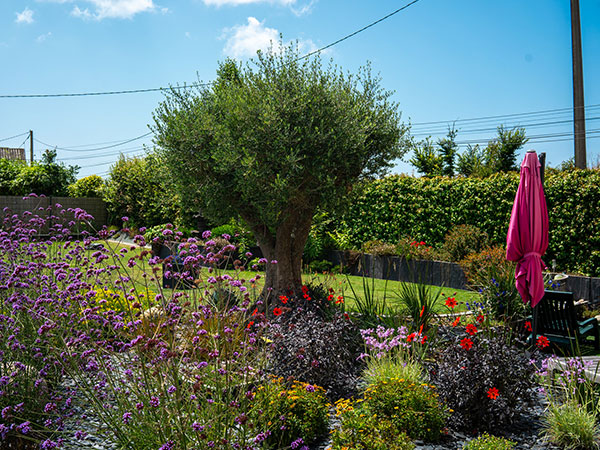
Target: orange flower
493,393
451,302
471,329
466,343
340,299
422,311
542,342
455,323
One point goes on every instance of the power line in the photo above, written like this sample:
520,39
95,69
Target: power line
192,85
348,36
15,136
101,155
67,149
530,113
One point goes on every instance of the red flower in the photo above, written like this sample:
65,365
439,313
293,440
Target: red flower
340,299
422,311
250,324
330,298
277,311
423,339
528,326
422,243
456,321
305,289
306,297
331,291
283,299
420,329
493,393
451,302
346,316
255,311
466,343
480,318
411,337
542,342
471,329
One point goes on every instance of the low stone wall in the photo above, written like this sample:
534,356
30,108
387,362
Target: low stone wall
440,273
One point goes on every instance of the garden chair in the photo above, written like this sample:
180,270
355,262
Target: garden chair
554,317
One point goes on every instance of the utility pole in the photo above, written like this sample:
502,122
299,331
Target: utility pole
578,102
31,147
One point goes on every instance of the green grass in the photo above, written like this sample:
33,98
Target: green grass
342,284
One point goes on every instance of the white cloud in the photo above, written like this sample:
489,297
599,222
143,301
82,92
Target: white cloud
244,40
108,9
298,7
25,17
42,37
188,35
245,2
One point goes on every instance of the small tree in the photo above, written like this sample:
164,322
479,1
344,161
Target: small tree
90,186
430,161
501,153
47,177
272,142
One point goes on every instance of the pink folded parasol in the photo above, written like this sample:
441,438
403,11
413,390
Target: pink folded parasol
527,238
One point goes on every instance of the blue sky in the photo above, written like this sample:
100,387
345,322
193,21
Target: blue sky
445,60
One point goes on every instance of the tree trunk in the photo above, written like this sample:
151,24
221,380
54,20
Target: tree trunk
286,247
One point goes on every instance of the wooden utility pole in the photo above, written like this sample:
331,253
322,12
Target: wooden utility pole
31,147
578,102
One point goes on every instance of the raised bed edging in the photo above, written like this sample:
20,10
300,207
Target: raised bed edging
441,273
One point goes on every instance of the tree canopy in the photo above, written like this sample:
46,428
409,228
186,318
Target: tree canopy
273,140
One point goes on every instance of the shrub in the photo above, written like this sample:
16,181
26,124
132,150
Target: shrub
396,206
484,379
462,240
311,349
488,442
413,249
292,410
419,301
412,408
392,354
494,277
321,266
379,248
571,426
90,186
360,430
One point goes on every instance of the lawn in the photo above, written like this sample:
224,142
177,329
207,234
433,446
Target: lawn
349,286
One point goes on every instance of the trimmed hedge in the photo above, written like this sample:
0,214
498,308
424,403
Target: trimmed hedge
427,208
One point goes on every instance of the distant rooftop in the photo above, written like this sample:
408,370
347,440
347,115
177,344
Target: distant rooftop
15,154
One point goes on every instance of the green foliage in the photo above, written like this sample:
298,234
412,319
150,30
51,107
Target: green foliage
419,302
462,240
292,410
139,188
488,442
90,186
371,308
412,408
489,273
571,426
9,170
428,208
501,153
363,431
273,141
379,248
46,177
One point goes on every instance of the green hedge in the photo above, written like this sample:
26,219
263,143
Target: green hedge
427,208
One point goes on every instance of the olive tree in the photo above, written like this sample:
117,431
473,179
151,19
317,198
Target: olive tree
273,140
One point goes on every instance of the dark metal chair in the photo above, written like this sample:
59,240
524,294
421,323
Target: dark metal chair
554,317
